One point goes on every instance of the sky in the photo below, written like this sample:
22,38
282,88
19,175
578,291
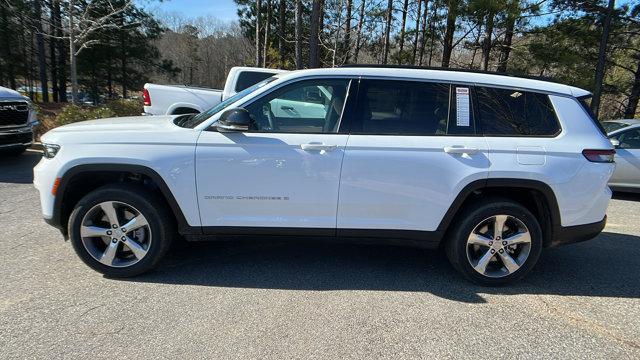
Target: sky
222,9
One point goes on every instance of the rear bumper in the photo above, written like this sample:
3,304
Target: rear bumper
573,234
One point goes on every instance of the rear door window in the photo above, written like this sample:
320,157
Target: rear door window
507,112
389,107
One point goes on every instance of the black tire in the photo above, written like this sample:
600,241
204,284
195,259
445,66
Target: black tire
159,218
469,218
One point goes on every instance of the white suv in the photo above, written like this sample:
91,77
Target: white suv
491,168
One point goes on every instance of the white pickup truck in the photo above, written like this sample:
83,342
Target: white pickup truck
180,99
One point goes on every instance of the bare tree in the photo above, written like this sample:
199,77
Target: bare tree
602,57
298,47
405,10
347,32
486,43
42,61
282,25
258,18
417,37
359,31
387,30
266,34
452,15
423,31
314,60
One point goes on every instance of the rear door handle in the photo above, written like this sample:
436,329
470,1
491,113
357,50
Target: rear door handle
314,146
459,149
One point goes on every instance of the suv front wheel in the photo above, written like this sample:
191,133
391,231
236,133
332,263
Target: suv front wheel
494,242
121,230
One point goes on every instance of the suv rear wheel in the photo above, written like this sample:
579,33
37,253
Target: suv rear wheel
494,242
121,230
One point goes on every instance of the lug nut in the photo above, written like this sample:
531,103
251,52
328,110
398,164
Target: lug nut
504,243
124,238
114,240
501,251
114,226
108,232
493,251
490,243
124,230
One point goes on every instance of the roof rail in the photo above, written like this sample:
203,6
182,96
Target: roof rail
415,67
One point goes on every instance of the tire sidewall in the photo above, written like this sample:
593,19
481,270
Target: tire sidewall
141,200
457,251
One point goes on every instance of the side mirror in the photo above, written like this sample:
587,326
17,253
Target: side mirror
237,119
615,142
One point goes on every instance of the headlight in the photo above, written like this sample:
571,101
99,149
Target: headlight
50,150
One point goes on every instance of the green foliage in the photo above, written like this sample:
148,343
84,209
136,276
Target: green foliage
74,113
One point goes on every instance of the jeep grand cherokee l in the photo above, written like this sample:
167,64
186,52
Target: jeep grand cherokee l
492,168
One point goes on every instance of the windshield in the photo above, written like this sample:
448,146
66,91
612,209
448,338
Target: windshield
195,120
611,126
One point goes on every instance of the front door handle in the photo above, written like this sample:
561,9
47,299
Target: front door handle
459,149
316,146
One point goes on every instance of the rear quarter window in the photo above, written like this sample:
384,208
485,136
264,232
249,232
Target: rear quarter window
250,78
508,112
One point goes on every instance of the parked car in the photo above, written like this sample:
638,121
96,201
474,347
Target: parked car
627,174
17,121
179,99
613,125
492,168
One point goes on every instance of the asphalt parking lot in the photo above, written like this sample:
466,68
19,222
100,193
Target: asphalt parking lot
288,300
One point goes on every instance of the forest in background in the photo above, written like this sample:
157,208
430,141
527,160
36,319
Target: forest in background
107,49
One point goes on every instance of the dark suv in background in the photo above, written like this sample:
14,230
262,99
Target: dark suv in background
17,120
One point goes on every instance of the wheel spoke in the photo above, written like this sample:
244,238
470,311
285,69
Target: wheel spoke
93,231
136,248
508,262
111,213
519,238
135,223
481,267
110,253
478,239
498,225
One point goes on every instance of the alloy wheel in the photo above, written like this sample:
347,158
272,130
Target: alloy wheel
498,246
116,234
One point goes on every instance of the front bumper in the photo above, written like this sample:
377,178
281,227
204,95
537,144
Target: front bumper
577,233
14,137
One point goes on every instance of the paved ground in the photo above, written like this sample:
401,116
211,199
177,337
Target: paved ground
279,300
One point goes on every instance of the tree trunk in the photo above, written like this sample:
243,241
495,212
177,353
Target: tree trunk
359,31
52,55
282,25
298,34
387,30
62,58
417,37
405,9
486,43
336,38
41,55
632,104
602,57
314,60
452,15
266,35
423,37
258,47
506,46
347,33
6,47
72,54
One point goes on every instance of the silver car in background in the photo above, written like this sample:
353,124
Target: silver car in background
627,140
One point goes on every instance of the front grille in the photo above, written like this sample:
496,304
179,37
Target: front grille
18,138
13,113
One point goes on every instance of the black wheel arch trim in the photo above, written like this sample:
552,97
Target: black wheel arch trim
525,184
57,219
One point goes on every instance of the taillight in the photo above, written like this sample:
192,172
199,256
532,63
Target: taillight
601,156
146,98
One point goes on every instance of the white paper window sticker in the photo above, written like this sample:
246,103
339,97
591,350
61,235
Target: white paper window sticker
462,106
